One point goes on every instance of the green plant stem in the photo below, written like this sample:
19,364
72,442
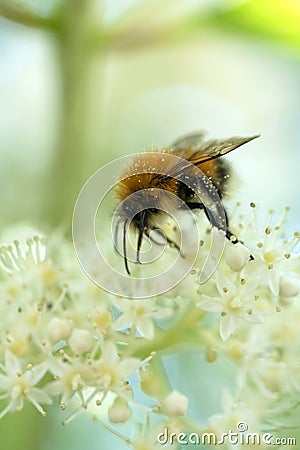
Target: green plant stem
21,431
69,167
20,14
186,331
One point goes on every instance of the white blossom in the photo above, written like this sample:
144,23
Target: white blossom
175,404
119,411
80,341
235,302
65,341
141,314
18,385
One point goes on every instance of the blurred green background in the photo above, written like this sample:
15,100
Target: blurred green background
85,81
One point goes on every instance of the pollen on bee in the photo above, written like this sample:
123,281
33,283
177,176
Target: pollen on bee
178,177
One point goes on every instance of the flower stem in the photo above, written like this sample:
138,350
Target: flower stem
187,331
76,57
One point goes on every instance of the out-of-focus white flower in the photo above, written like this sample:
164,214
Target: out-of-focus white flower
141,314
71,377
18,385
175,404
289,286
119,411
271,361
112,370
236,256
80,341
58,329
237,416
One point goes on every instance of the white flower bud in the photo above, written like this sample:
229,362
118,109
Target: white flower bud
175,404
119,411
80,341
289,287
58,329
237,256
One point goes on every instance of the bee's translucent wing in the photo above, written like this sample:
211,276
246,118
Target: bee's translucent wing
215,148
190,140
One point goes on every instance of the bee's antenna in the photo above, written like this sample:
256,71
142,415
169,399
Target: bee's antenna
140,237
124,247
116,235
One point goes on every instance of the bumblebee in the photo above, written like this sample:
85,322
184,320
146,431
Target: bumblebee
151,175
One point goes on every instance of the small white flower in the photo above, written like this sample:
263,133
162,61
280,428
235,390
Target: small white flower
58,329
140,314
18,386
236,256
119,411
235,302
112,370
273,255
289,286
19,257
80,341
175,404
71,377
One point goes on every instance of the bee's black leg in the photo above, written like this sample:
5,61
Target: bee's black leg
140,236
139,244
124,247
195,205
169,241
230,236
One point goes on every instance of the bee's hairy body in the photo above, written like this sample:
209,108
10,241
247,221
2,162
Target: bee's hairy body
145,177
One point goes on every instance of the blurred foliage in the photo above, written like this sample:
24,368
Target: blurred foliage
274,19
140,23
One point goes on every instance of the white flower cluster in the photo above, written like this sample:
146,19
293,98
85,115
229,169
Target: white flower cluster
65,341
253,279
257,283
55,341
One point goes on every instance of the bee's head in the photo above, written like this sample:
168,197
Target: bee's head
132,213
137,211
139,222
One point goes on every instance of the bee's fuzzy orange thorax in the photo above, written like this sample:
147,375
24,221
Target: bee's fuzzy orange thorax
142,172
